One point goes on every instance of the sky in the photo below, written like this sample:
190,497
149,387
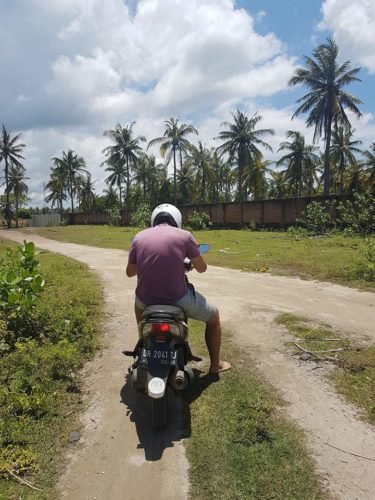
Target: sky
71,69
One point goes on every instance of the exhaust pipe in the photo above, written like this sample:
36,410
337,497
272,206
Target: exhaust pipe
179,381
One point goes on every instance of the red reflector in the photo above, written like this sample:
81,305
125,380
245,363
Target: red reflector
160,327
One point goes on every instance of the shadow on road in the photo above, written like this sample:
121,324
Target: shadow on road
179,419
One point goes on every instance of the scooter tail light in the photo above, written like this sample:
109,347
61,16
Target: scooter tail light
162,330
160,327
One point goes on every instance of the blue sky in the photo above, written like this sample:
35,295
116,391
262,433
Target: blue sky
74,68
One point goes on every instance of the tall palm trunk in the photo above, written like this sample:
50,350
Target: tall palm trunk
326,158
127,184
342,168
120,192
241,161
8,216
17,206
174,177
71,192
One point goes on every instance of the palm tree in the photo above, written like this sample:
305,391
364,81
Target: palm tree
202,164
241,143
299,159
10,153
148,175
174,142
256,179
16,184
186,184
86,193
117,175
370,163
326,101
111,198
70,167
224,178
356,178
57,188
125,151
342,150
278,186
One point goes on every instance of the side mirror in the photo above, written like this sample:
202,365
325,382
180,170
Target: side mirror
204,247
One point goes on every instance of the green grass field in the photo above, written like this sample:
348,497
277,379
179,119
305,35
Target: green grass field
334,258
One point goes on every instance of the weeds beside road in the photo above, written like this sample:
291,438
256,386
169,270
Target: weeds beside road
40,386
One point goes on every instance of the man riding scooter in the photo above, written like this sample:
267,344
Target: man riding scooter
157,259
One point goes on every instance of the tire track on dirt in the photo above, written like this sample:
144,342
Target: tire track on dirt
119,456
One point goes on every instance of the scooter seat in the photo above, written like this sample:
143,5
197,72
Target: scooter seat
163,311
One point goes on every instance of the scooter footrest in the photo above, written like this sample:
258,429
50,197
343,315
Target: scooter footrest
129,353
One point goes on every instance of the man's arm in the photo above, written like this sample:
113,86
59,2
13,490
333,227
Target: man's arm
131,270
199,264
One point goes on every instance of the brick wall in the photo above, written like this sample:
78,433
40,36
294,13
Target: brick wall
268,213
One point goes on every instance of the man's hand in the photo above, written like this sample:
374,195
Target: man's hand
199,264
131,270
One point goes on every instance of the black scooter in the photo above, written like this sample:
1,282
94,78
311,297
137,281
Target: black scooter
162,354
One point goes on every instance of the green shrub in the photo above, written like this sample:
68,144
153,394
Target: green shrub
199,221
318,218
357,216
366,270
24,213
20,286
19,460
114,216
141,216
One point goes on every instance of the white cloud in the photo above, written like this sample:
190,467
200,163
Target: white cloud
74,68
353,25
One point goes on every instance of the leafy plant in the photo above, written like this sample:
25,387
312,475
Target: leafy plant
318,217
114,216
199,221
357,216
20,281
141,216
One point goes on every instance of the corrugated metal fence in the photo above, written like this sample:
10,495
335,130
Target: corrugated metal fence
45,220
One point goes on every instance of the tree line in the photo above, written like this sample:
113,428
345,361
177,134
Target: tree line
236,170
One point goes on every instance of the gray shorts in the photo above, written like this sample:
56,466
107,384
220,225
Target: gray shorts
194,305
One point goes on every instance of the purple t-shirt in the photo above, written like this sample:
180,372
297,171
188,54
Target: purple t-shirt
159,254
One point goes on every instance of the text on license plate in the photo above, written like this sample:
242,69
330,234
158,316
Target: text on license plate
159,354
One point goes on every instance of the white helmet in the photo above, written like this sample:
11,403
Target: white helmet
166,213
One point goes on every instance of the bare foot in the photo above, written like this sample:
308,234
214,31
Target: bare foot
223,366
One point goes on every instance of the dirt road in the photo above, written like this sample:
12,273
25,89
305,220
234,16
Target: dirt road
119,457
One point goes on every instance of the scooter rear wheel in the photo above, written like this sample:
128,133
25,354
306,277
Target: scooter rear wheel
159,412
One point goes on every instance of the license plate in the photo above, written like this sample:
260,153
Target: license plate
160,356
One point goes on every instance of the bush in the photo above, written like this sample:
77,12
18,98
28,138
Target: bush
357,216
318,217
141,216
20,286
199,221
114,216
24,213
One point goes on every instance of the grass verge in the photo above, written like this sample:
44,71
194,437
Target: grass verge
354,372
240,446
334,258
39,377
